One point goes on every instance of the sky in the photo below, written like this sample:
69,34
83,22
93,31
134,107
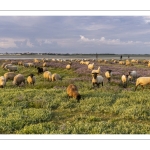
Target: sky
75,34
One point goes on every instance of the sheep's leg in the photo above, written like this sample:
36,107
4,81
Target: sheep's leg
102,83
98,85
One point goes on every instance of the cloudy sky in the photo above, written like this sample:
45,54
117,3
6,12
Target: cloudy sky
75,34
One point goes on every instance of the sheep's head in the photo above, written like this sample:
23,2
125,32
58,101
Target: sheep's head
94,75
31,75
78,97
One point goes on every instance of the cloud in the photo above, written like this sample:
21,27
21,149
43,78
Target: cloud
105,41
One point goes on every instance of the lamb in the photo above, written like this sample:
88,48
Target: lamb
47,75
97,79
97,71
91,66
142,81
108,75
31,79
72,91
9,75
56,77
124,79
19,79
2,81
132,75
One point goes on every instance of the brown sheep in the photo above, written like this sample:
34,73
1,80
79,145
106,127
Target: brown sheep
72,91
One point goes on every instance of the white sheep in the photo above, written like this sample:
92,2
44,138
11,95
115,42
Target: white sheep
56,77
97,79
91,66
31,79
97,71
68,66
132,75
47,75
108,75
2,81
142,81
124,79
19,80
9,75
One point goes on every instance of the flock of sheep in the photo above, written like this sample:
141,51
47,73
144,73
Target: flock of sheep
72,90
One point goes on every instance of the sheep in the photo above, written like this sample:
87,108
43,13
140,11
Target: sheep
142,81
132,75
45,64
31,79
97,71
28,65
19,79
108,75
2,81
124,79
72,91
6,66
40,70
47,75
12,68
97,79
9,75
45,69
56,77
91,66
68,66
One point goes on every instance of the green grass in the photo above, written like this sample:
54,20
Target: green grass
45,108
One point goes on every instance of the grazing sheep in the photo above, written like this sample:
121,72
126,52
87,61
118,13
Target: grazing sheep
121,62
97,79
132,75
20,63
56,77
2,81
108,75
142,81
91,66
68,66
97,71
47,75
40,70
6,66
12,68
31,79
72,91
9,75
3,65
19,80
124,79
45,64
45,69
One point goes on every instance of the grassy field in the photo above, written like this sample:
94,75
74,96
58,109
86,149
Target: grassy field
45,108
